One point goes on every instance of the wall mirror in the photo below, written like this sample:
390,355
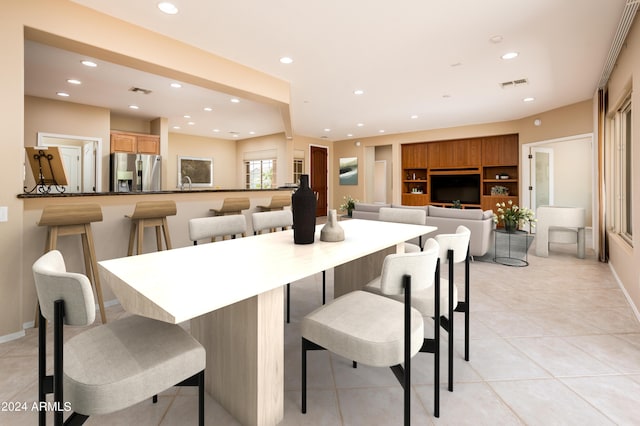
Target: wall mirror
80,158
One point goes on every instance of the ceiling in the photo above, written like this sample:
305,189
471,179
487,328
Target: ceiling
422,64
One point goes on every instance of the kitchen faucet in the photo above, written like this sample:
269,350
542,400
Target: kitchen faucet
182,183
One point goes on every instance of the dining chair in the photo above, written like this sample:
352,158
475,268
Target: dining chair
427,301
271,221
405,215
374,330
217,226
454,248
109,367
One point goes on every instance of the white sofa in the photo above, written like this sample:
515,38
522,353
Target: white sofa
557,224
446,220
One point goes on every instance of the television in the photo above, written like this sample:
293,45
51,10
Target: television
447,188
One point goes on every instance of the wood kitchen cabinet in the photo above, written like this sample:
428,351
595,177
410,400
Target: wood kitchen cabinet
135,143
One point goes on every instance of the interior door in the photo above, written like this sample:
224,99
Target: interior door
380,182
541,177
71,159
319,178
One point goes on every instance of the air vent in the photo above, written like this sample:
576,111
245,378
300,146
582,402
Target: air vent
140,90
514,83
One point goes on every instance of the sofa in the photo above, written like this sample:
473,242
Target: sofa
479,222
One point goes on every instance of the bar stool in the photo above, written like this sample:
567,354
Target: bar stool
75,219
278,202
232,205
151,213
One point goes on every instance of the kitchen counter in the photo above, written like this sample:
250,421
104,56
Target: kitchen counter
175,191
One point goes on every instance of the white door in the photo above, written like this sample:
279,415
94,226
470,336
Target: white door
541,163
71,159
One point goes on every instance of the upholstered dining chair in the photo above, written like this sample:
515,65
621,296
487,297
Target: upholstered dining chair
375,330
271,221
112,366
454,248
427,299
202,228
405,215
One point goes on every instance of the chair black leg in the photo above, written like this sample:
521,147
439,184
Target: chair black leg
436,338
288,303
466,306
304,376
324,287
45,384
58,397
450,319
201,398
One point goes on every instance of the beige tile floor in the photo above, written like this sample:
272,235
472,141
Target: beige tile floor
552,343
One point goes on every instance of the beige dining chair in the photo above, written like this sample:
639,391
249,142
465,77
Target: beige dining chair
112,366
210,228
375,330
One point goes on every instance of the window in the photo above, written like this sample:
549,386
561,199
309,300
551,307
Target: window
298,167
623,206
260,174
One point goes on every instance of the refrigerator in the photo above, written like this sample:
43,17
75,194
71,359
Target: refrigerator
135,172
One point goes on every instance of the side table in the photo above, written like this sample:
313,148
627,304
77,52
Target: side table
515,252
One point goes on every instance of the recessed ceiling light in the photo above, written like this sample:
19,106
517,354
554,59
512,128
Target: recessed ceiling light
413,117
191,123
327,130
74,81
349,135
63,94
176,127
235,135
529,99
90,64
216,130
510,55
252,133
186,116
235,100
176,85
358,92
360,124
496,39
208,109
134,107
380,131
168,8
286,60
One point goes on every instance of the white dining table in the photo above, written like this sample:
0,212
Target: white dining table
231,291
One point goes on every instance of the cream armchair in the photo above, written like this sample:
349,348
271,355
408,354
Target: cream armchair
563,225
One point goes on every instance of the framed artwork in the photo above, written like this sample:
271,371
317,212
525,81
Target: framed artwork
349,171
199,170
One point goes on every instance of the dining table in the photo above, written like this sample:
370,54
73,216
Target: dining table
231,291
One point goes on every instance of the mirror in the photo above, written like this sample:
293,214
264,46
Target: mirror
80,158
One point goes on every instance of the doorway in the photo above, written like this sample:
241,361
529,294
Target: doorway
319,178
541,164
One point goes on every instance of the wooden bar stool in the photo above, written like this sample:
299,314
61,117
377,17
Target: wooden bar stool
232,205
75,219
151,213
278,202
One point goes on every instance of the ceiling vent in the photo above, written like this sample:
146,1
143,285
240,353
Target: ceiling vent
514,83
140,90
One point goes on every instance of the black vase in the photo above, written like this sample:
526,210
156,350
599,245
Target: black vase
303,206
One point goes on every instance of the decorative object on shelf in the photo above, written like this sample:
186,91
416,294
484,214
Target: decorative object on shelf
499,190
456,204
303,206
503,176
513,217
332,231
349,171
348,205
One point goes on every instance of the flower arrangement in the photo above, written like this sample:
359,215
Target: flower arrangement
513,216
348,204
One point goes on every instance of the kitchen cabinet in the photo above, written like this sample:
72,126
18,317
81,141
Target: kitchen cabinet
135,143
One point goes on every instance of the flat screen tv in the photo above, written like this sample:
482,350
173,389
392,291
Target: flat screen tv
447,188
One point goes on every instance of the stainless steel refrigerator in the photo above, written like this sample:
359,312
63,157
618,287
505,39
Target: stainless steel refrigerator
135,172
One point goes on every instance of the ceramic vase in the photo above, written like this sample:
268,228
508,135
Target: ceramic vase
332,231
303,206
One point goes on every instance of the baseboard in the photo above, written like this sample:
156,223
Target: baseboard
624,291
12,336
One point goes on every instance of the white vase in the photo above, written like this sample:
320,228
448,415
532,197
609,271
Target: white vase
332,231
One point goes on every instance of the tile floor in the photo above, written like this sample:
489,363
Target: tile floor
552,343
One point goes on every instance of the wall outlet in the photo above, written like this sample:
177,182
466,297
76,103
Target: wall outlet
4,214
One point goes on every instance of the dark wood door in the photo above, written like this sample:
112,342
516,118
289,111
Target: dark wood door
319,174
